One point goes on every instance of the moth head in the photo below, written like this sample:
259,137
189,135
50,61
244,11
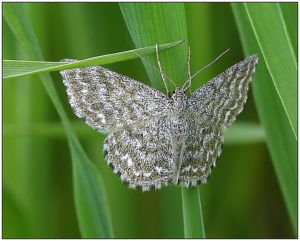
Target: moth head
178,94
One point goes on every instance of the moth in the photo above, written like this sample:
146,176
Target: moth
156,139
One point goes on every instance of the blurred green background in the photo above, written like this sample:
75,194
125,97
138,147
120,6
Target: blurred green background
242,198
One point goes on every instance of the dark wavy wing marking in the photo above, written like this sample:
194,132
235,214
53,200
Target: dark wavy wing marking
141,153
106,99
203,147
221,99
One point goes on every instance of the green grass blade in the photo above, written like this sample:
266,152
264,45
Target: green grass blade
90,198
91,208
147,24
191,205
17,68
289,14
280,134
264,19
145,29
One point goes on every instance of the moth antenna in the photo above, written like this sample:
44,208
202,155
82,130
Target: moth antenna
158,70
189,80
208,65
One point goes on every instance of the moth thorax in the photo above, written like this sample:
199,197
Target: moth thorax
179,100
178,123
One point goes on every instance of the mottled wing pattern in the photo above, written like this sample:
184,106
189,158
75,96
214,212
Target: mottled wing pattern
221,99
108,100
138,118
212,109
202,148
141,154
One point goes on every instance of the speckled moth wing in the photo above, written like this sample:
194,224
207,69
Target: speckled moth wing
221,99
107,100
